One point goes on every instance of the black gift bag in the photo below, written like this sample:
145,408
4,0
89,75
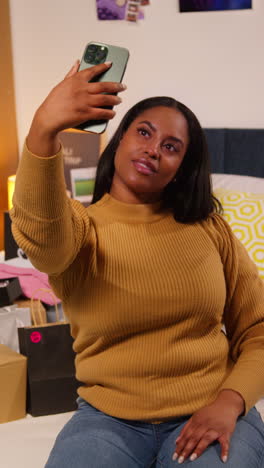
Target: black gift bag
51,382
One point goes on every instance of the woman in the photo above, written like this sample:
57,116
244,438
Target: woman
148,274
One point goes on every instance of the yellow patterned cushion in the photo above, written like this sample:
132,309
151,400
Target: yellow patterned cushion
245,214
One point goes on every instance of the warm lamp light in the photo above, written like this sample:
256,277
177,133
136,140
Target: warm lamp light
10,190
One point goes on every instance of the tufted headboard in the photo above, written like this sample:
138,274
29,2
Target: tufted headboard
236,151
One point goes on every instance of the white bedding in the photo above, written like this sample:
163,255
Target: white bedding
26,443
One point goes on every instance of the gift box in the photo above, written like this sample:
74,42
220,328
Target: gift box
13,375
10,290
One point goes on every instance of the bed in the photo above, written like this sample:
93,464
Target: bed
237,163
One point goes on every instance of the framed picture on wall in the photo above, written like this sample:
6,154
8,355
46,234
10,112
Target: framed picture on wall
120,9
214,5
82,183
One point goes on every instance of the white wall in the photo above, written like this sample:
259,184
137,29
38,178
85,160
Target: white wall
211,61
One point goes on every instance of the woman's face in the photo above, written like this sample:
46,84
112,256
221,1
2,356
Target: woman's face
149,155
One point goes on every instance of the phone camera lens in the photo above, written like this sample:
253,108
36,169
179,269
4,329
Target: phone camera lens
92,48
89,58
100,54
95,54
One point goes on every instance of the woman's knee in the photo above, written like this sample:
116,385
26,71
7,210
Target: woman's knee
93,439
92,452
246,447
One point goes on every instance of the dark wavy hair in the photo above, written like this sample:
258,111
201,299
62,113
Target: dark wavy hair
190,196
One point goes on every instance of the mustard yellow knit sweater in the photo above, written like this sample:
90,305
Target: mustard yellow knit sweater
146,298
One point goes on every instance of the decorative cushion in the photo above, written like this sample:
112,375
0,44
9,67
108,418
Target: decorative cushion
245,214
238,183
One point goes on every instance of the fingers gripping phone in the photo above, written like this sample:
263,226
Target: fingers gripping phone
94,54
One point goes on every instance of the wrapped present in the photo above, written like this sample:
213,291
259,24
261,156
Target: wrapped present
13,374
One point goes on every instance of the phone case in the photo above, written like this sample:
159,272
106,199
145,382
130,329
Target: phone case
119,57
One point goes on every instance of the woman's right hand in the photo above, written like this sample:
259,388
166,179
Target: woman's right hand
72,102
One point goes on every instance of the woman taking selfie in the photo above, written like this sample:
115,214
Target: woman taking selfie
148,275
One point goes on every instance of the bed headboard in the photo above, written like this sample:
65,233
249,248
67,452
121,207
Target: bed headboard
236,151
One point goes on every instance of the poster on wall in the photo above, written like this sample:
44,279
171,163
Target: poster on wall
129,10
214,5
81,152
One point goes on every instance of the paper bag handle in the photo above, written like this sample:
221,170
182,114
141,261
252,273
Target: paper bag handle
50,292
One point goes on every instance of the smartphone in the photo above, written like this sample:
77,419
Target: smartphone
95,53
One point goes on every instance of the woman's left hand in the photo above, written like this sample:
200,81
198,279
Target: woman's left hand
216,421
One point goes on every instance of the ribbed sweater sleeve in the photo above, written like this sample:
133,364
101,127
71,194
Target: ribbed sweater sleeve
46,224
243,314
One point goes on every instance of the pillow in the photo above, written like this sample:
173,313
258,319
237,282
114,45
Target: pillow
244,212
238,182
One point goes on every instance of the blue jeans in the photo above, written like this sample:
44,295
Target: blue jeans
93,439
